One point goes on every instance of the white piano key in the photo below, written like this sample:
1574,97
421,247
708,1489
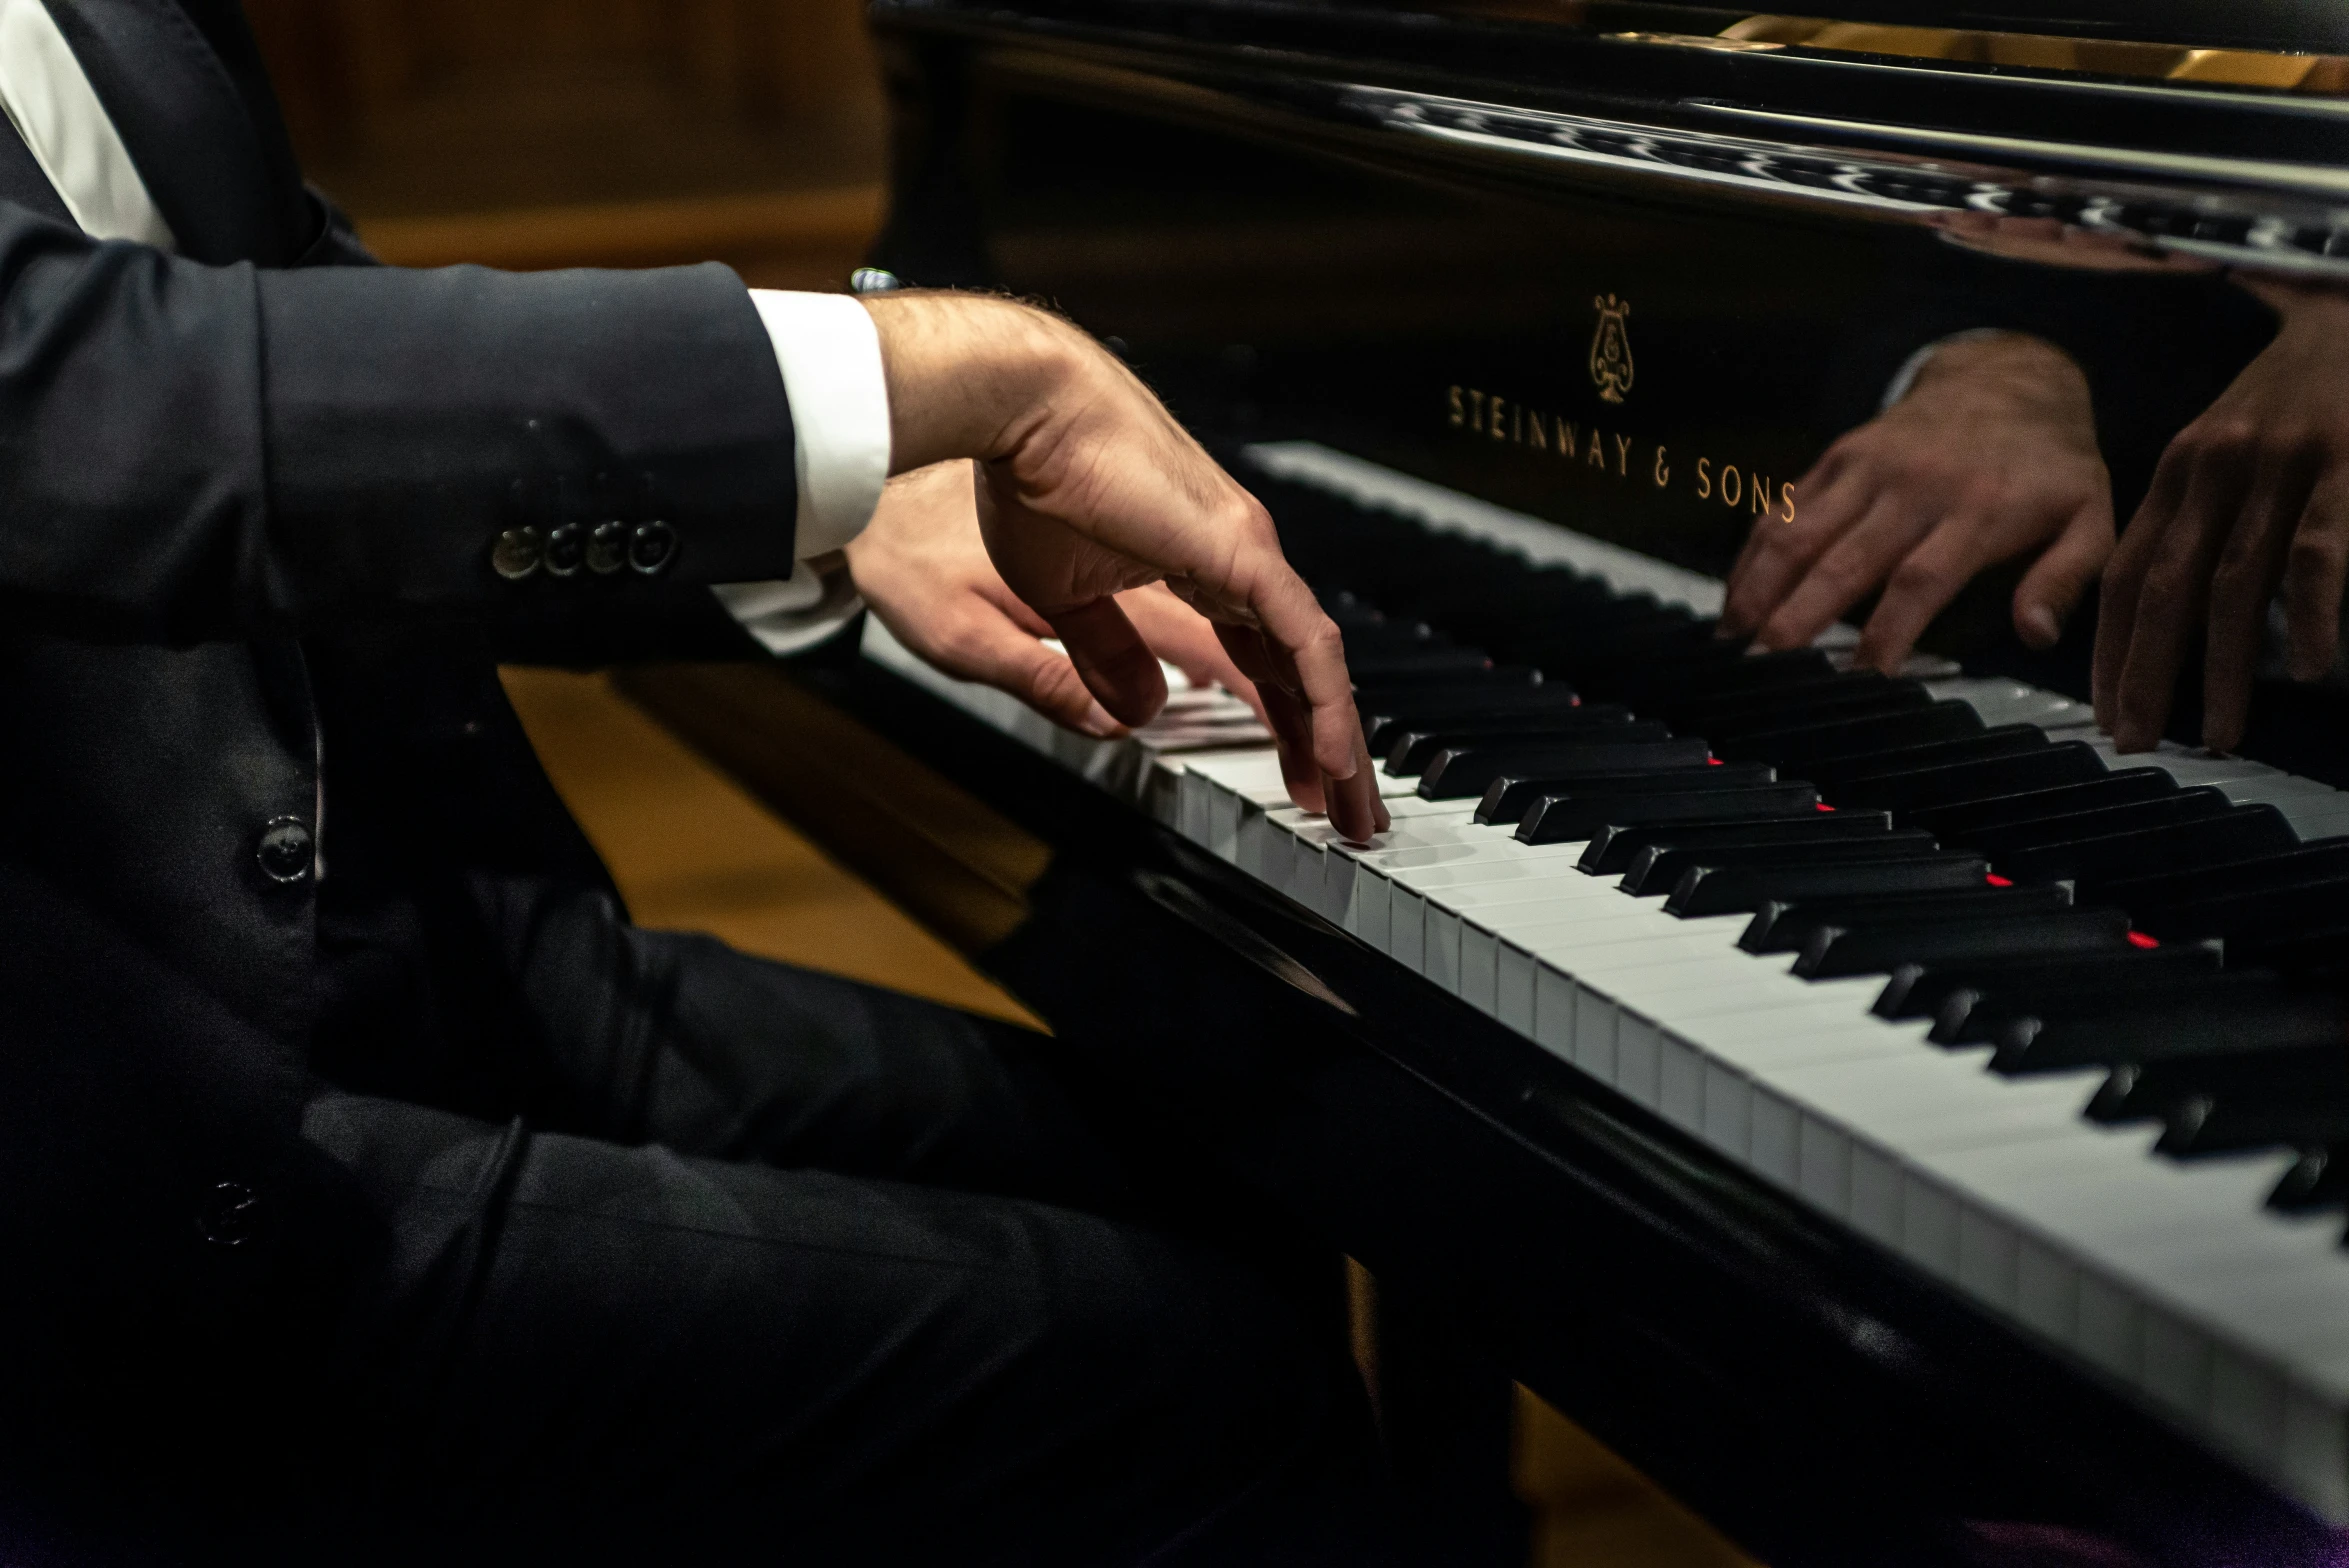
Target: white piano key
1497,862
2001,701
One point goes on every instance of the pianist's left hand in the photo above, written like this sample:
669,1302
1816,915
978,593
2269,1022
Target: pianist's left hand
2250,500
1992,454
923,569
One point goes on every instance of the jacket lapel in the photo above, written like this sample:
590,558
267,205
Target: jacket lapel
214,158
22,179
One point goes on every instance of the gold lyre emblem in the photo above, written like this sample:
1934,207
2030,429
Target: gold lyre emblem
1610,349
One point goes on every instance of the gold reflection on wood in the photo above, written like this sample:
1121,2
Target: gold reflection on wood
692,851
2306,73
941,854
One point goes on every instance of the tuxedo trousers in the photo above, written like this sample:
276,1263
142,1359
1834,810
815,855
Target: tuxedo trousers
781,1268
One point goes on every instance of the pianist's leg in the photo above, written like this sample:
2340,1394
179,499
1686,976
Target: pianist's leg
777,1263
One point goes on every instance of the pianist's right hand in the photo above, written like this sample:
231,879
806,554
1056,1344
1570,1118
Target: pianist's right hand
1992,454
921,566
1089,488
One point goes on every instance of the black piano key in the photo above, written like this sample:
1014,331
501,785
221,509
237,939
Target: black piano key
1784,925
1729,890
1880,947
2187,805
1381,724
1413,750
1718,671
1392,681
2027,768
2226,1104
1508,798
2005,740
2262,912
1918,990
2319,1180
1955,820
1563,819
1403,663
1611,851
1796,747
2325,860
2239,833
2311,949
1976,1014
1587,636
2233,1014
1372,636
1784,707
1468,771
1659,868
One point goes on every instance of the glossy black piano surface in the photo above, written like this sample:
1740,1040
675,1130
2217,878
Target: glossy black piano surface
1631,268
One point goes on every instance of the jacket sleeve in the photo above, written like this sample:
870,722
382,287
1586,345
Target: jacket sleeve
192,452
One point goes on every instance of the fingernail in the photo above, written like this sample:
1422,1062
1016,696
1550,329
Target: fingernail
1098,724
2041,627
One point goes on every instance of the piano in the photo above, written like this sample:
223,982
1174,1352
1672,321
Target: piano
1909,1129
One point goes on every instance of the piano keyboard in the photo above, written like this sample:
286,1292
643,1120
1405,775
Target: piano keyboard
2062,1028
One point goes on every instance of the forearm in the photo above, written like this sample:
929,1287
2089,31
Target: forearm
969,376
197,452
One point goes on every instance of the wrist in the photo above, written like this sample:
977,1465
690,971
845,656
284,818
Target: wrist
2013,357
969,376
2012,375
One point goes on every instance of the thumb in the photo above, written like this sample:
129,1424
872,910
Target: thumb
1115,662
2051,589
994,652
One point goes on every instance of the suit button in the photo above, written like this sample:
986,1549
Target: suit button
566,550
652,547
229,1215
287,850
607,548
518,553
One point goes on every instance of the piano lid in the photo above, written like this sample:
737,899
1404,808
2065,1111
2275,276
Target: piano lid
2126,127
2132,37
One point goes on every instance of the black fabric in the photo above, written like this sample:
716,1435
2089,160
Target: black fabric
179,500
22,179
748,1264
922,1316
182,82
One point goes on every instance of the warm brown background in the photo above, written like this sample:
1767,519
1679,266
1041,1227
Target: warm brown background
621,132
538,133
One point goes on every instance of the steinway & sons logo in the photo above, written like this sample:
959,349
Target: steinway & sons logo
1620,455
1611,369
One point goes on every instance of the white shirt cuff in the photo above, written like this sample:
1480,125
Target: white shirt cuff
795,615
830,355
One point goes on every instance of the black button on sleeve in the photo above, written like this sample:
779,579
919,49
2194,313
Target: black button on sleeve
607,548
229,1215
566,550
518,553
286,851
652,547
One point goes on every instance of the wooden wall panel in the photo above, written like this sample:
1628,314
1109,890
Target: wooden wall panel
341,65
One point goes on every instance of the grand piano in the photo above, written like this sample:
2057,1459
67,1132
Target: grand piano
1911,1130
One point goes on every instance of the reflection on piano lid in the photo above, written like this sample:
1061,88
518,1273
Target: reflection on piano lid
2274,46
2096,1132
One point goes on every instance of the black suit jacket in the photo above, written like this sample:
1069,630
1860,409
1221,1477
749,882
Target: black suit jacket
249,499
